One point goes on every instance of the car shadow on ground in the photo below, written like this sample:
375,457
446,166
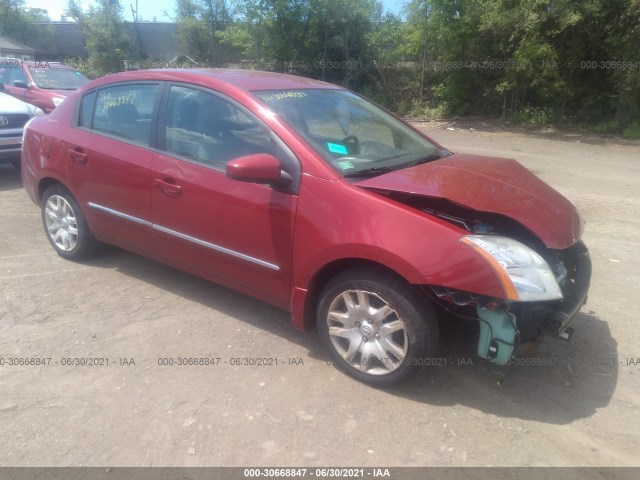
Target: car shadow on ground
224,300
9,178
559,383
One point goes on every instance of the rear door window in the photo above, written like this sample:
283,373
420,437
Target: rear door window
124,111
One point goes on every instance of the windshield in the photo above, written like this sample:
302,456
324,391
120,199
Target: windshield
57,78
353,135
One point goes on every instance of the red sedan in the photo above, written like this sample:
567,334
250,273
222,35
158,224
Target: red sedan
309,197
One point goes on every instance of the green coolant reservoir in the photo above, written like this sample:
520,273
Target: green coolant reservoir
497,335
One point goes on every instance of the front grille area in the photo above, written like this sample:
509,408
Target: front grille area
556,316
13,120
573,272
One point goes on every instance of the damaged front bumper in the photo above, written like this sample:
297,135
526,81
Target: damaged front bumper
507,325
557,316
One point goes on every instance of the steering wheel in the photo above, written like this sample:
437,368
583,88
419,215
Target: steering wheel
352,143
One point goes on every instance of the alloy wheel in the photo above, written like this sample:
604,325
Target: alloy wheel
367,332
61,223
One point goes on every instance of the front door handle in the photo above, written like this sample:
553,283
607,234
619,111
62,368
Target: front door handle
77,155
168,186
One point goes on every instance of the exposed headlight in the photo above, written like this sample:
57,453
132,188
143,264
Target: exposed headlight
525,275
57,100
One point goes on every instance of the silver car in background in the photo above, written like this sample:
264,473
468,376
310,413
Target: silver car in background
14,114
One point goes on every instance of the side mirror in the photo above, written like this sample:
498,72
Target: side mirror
258,168
20,84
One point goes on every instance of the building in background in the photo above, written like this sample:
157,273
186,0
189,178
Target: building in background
154,41
10,48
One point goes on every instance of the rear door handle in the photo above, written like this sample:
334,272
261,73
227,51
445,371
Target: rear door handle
77,155
168,186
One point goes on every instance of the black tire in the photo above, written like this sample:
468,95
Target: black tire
70,219
417,340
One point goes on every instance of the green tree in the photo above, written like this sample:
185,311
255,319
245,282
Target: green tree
556,42
532,60
106,37
201,26
19,22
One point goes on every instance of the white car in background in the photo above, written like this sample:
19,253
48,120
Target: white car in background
14,114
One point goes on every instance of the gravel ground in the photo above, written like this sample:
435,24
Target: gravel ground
580,406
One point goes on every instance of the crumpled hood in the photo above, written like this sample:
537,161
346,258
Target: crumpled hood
493,185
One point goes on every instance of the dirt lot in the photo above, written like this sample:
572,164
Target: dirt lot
581,408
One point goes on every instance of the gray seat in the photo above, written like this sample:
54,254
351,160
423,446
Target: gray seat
216,146
187,114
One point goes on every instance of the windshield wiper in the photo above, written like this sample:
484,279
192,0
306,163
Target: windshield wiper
368,172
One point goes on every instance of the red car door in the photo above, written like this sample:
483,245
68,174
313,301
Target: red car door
110,162
16,72
238,233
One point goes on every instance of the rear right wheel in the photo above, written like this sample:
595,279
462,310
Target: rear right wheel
65,225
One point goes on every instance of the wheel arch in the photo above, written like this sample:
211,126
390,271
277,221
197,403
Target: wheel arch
85,243
328,271
45,183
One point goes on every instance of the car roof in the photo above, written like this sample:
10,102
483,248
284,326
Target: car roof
238,78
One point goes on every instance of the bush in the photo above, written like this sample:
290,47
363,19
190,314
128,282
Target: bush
424,110
632,131
534,115
610,126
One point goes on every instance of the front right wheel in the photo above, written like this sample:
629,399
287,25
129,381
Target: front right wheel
377,327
